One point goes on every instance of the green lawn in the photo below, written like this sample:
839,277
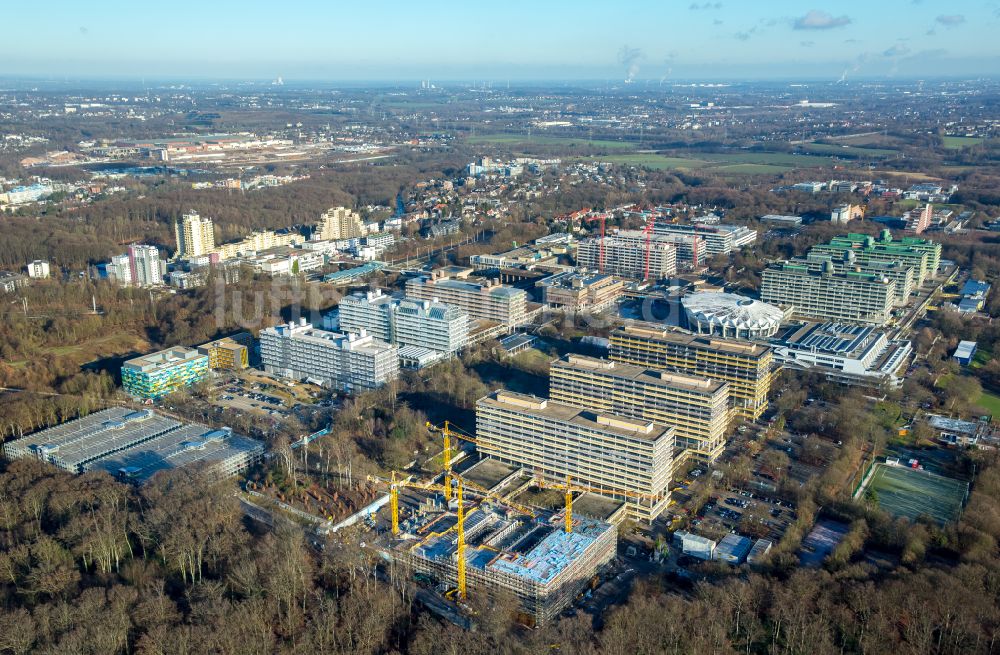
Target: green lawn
773,158
958,142
657,162
543,140
848,151
753,169
990,402
910,493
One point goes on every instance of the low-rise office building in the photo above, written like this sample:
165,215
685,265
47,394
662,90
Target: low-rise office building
846,297
346,362
155,375
135,445
614,456
581,292
697,408
850,354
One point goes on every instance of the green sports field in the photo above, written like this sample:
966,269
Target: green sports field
910,493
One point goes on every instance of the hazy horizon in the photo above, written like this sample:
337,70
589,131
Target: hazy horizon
394,41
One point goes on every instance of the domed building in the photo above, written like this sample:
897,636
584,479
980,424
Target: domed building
731,316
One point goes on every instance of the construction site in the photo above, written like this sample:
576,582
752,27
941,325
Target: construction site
468,537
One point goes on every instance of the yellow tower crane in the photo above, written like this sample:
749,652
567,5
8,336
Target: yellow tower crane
448,431
394,484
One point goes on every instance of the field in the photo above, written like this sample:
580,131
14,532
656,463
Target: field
657,162
736,163
958,142
990,402
726,163
848,151
910,493
571,142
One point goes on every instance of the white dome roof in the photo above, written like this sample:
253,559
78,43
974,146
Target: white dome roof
732,311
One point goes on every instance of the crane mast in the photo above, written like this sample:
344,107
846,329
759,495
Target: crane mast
461,540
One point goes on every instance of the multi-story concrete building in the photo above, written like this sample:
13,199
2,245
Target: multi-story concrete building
719,239
614,456
141,266
487,300
346,362
629,257
195,235
260,241
581,292
228,353
339,223
846,213
38,269
851,297
747,367
533,559
147,267
923,255
696,407
406,322
686,244
849,354
157,374
901,274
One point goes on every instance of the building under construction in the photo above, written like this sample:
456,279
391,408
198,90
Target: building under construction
527,553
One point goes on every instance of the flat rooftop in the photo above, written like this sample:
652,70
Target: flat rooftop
596,506
536,549
543,407
661,333
168,357
187,445
490,474
76,443
665,379
118,438
829,337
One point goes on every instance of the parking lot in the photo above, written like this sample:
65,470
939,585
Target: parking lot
737,510
258,393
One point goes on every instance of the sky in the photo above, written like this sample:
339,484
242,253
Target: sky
517,40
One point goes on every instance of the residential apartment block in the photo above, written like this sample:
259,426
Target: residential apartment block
747,367
696,407
851,297
346,362
195,235
619,457
155,375
406,322
339,223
